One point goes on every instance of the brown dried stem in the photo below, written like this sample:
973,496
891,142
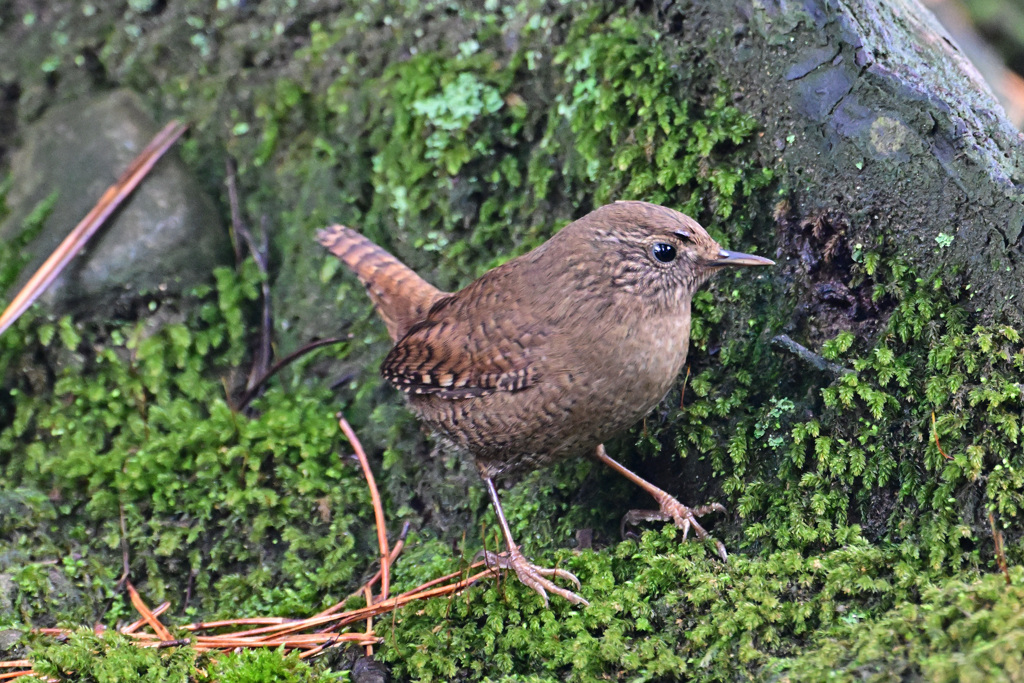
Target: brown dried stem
147,614
378,508
87,227
935,433
997,537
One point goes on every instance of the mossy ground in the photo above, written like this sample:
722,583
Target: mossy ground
458,138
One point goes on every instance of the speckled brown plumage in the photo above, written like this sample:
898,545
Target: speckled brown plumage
552,353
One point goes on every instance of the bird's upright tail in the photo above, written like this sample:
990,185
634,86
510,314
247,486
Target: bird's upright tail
401,297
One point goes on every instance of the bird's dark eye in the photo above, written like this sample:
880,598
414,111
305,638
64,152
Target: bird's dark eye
665,253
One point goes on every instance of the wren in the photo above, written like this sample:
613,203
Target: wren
552,353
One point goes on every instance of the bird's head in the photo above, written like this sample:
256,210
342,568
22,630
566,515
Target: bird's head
659,254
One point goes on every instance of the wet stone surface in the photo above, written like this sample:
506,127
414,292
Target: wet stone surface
165,238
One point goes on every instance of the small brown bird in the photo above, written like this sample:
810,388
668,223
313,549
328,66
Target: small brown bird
552,353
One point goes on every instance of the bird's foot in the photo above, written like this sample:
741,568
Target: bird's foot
533,576
684,518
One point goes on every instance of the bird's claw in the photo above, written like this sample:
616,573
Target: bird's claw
535,577
683,517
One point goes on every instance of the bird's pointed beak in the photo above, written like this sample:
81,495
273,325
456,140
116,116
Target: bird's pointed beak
737,258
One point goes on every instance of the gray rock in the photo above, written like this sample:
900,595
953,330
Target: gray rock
9,639
42,597
8,591
166,237
367,670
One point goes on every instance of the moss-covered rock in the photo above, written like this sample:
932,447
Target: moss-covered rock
860,495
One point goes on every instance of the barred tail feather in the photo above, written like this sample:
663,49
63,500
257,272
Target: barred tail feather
401,297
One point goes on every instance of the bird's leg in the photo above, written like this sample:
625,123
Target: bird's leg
533,576
670,509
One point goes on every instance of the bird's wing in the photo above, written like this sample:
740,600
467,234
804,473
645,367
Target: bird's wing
451,356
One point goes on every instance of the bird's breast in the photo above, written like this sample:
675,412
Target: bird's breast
637,361
593,381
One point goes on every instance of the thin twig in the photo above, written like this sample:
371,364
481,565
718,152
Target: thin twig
147,614
261,257
136,625
180,642
360,614
446,577
264,621
369,620
395,552
378,508
935,433
997,536
242,234
87,227
188,586
686,380
250,394
814,360
233,207
318,649
261,254
125,561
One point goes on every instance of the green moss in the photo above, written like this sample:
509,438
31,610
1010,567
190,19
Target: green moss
472,135
872,451
963,630
138,426
92,658
659,611
272,666
87,657
12,258
635,133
